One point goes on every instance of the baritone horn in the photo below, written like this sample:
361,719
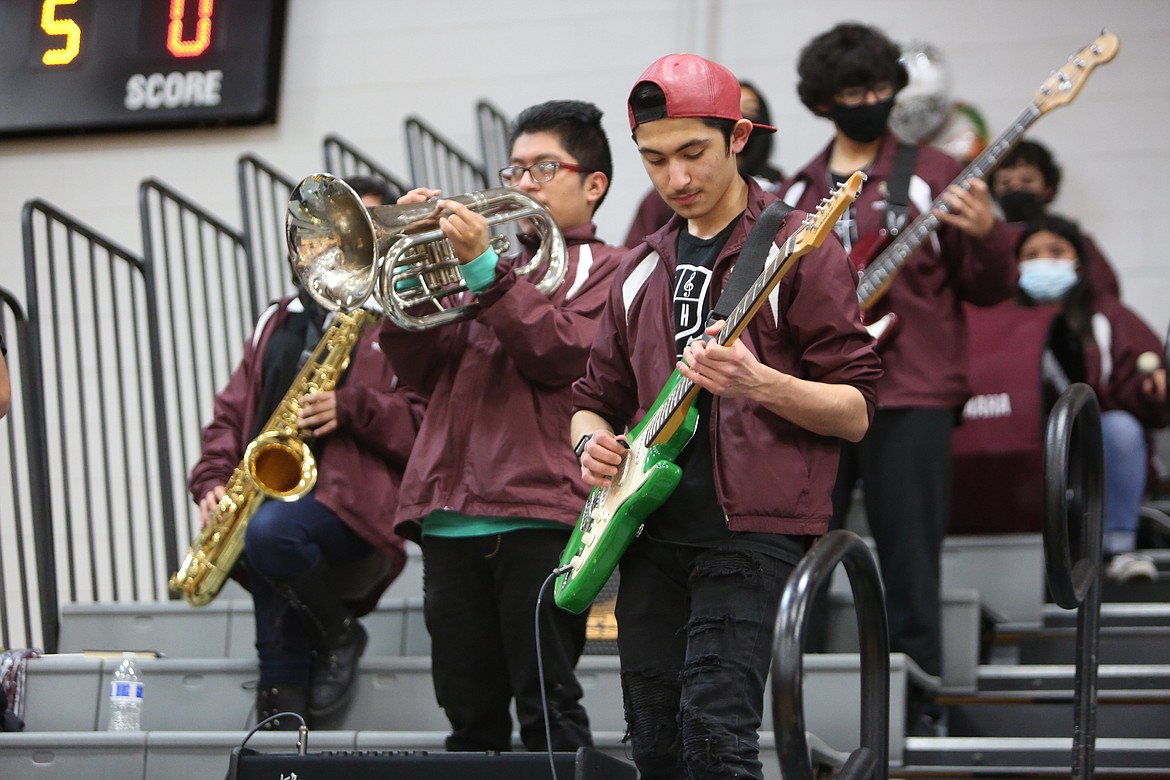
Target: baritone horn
344,252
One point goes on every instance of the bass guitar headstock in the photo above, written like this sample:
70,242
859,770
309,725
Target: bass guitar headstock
1063,85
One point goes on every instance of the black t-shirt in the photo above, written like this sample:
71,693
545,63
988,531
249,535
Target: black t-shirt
691,515
3,346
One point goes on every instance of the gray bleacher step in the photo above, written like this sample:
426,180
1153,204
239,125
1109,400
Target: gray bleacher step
962,616
1039,677
1114,614
1119,713
67,693
1006,569
1117,644
1002,753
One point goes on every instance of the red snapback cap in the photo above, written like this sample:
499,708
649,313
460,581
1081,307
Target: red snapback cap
694,87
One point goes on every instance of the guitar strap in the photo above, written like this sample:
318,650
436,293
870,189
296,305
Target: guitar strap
898,188
750,264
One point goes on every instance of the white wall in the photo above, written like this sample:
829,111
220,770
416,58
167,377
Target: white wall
359,67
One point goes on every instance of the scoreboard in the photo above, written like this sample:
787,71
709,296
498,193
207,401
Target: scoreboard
69,66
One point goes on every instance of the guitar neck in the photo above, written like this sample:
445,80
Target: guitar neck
665,417
879,273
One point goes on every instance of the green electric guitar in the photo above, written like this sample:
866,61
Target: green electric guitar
613,516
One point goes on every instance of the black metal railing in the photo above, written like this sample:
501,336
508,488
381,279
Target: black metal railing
436,162
264,195
344,159
206,293
871,758
494,129
28,594
91,306
1073,501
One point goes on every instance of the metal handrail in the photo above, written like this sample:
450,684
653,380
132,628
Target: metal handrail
28,408
343,159
494,129
871,759
1074,496
437,162
264,193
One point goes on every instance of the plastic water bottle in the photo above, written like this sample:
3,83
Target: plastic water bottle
126,696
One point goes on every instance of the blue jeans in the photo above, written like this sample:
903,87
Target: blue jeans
284,541
695,632
1125,478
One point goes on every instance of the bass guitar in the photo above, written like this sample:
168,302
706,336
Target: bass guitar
613,515
889,252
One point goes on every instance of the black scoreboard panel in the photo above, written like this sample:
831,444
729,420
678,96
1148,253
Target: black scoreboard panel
97,65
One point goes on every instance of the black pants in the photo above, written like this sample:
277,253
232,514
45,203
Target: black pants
904,463
480,602
695,630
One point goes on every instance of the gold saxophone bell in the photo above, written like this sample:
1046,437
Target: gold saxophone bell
278,464
344,252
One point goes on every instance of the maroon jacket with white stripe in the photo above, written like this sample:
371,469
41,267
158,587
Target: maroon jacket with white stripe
925,361
770,475
494,441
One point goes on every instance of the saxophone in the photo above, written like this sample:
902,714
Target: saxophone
276,464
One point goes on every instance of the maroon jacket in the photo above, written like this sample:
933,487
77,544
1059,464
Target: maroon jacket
1119,336
925,361
494,441
359,465
770,475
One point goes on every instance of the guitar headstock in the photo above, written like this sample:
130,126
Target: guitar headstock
1063,85
816,227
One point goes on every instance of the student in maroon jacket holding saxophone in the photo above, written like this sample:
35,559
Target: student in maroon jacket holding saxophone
850,75
301,556
700,587
491,491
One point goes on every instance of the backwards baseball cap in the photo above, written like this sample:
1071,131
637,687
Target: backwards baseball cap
694,87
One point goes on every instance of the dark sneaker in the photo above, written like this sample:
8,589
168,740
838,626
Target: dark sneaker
334,669
275,699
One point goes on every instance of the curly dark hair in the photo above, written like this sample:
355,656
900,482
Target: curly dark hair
849,55
578,126
1036,155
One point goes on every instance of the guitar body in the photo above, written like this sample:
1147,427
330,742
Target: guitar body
613,516
869,247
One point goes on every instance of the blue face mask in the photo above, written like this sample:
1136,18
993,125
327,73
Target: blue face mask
1047,279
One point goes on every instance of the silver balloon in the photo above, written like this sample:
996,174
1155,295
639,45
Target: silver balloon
925,104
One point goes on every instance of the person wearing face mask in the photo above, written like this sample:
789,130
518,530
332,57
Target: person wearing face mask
1024,185
754,161
850,75
1051,251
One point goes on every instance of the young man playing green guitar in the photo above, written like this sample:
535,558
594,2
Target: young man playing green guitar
701,584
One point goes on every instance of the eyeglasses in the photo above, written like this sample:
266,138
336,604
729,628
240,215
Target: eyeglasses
853,96
541,172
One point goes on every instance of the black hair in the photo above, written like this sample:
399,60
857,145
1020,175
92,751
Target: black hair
849,55
756,154
648,102
1078,306
1037,155
373,185
578,126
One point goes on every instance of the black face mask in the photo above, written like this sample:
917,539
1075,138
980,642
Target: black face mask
863,123
1020,206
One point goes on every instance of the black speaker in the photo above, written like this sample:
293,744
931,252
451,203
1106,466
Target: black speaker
585,764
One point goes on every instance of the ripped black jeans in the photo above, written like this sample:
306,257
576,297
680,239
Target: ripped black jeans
695,637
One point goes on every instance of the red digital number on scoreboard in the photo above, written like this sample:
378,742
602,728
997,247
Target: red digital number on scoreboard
179,40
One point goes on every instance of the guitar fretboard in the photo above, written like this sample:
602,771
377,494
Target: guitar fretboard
736,321
883,268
